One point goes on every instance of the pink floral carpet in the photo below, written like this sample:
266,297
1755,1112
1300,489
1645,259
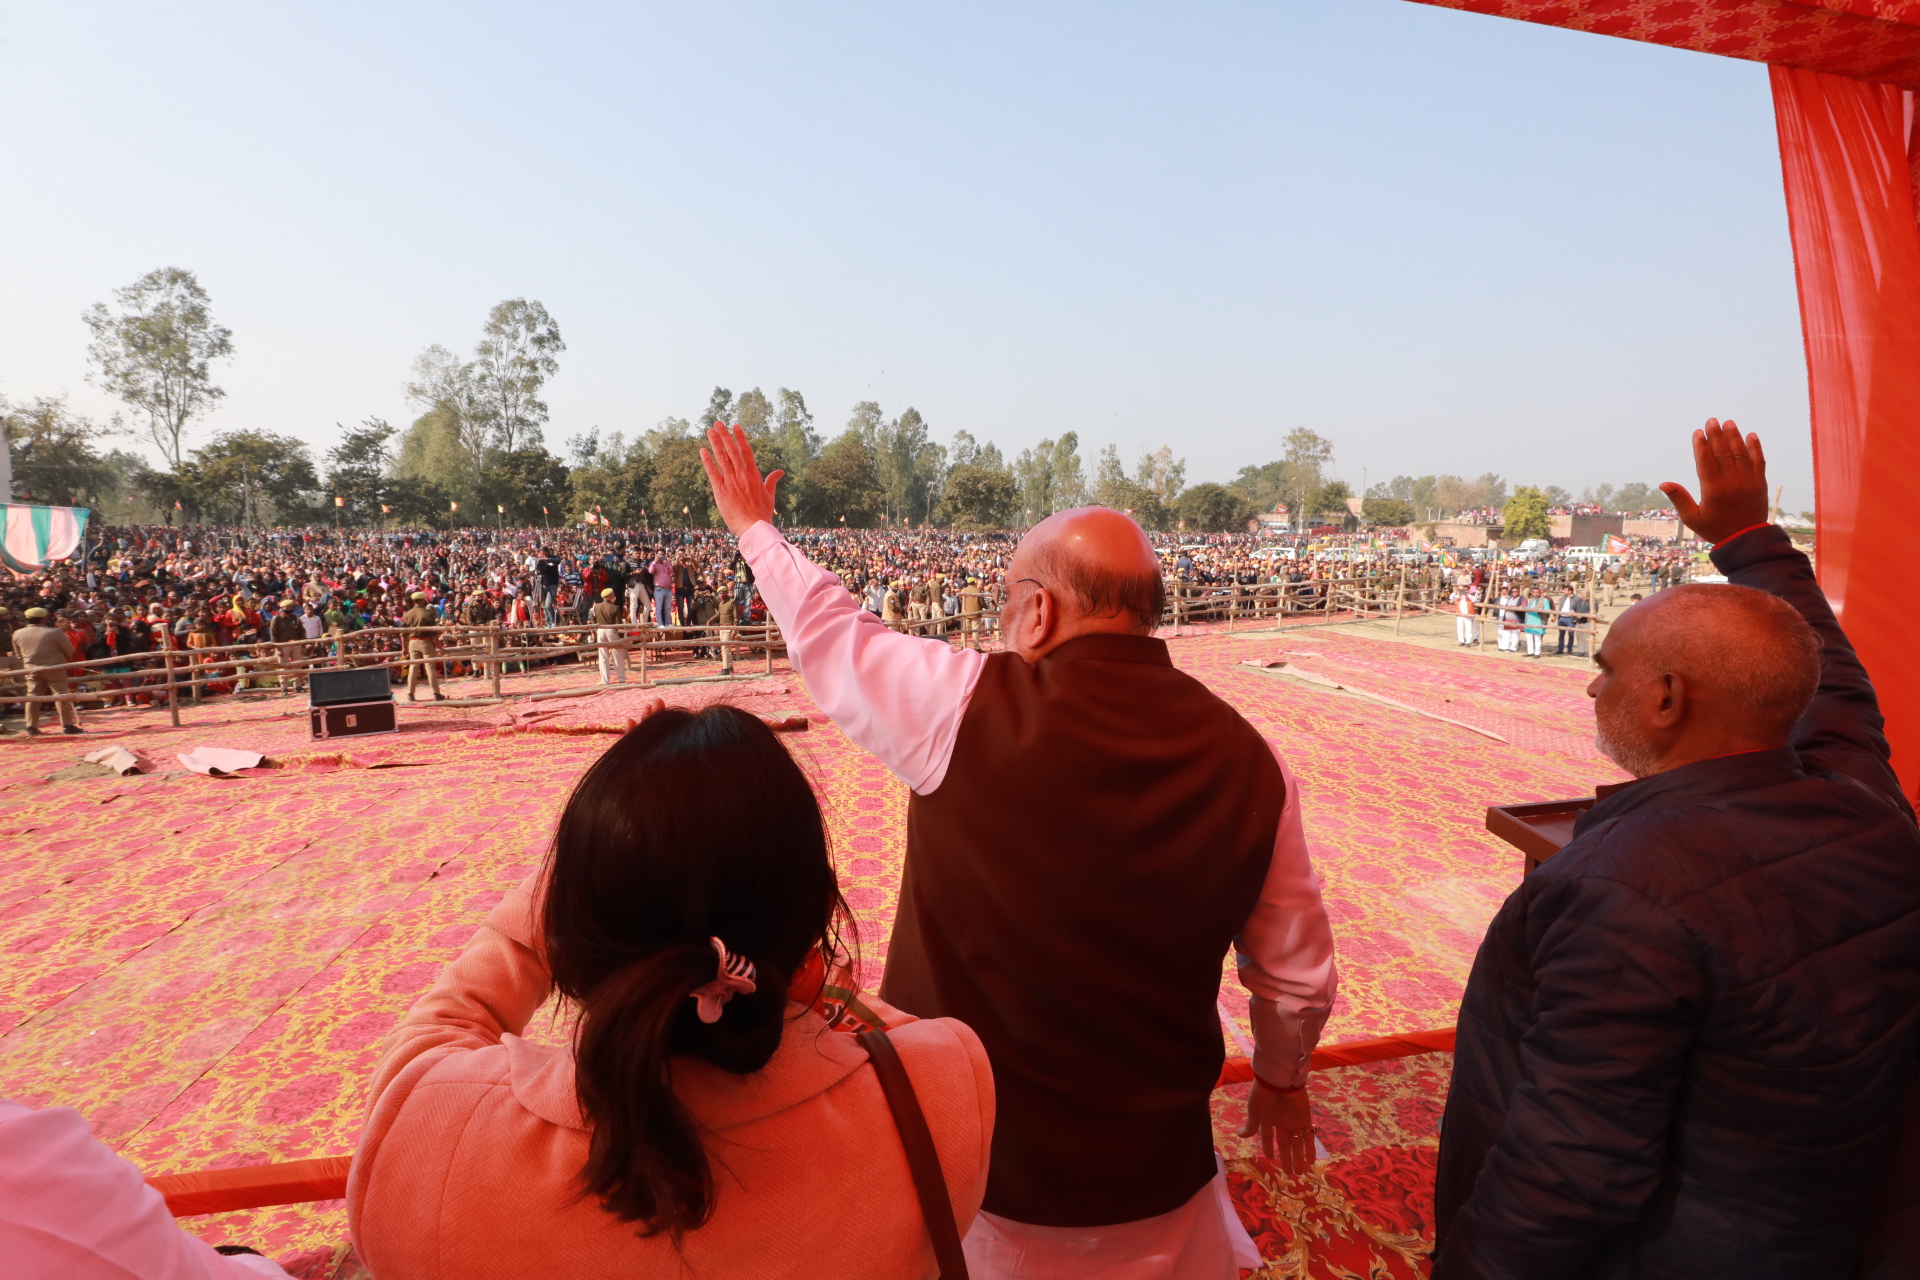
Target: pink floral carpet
205,967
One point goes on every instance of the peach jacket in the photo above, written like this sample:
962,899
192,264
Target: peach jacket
468,1163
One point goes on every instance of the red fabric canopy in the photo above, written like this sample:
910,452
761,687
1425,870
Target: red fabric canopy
1844,72
1857,38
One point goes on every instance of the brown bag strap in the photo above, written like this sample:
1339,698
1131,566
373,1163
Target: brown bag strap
922,1160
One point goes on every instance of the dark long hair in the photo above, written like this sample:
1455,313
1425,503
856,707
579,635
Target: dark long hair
695,825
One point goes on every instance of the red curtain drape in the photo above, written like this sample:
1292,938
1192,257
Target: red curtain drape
1844,152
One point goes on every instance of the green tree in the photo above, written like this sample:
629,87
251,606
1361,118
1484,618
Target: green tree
1112,487
843,485
419,502
523,481
679,495
1212,508
753,413
719,409
519,350
1388,511
612,477
909,466
1525,515
448,392
1636,497
357,470
1330,499
55,460
157,353
977,497
1161,474
251,478
1293,480
1416,491
1050,478
434,451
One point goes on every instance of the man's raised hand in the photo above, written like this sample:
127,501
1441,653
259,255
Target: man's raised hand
743,497
1733,483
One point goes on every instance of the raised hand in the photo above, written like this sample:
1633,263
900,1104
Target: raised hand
743,497
1733,483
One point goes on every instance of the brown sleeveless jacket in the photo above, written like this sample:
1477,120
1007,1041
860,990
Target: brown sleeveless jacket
1071,888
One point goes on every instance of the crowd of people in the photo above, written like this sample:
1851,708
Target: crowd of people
1684,1049
286,598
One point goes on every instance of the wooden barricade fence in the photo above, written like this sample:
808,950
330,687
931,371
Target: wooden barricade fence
163,675
171,672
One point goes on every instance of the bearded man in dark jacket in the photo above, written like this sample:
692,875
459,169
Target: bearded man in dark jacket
1687,1038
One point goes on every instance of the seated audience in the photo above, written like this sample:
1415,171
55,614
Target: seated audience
70,1207
702,1122
1688,1036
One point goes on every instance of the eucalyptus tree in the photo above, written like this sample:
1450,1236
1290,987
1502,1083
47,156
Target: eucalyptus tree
156,352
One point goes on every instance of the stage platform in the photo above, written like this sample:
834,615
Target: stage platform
205,967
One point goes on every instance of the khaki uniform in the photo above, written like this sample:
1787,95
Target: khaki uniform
605,617
970,616
728,618
44,651
421,649
289,640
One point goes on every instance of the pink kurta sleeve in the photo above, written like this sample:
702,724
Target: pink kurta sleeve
1285,955
900,697
71,1208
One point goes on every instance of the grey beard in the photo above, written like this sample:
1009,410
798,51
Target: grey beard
1634,757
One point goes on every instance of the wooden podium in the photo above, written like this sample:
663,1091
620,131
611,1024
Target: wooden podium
1541,830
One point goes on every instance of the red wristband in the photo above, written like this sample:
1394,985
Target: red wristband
1749,529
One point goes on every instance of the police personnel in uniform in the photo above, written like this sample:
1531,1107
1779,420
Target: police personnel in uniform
421,649
289,640
605,617
45,651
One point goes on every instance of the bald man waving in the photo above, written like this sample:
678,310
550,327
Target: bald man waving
1089,831
1687,1038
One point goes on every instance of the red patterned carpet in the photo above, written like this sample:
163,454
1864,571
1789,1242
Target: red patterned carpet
205,967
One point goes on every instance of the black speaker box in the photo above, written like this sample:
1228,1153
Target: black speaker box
326,688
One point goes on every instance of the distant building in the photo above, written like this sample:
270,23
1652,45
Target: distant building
1274,521
1461,534
1583,530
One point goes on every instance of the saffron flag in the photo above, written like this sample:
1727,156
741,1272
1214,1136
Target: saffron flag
31,536
453,506
339,501
1617,545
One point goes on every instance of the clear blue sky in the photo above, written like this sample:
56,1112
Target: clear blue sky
1445,241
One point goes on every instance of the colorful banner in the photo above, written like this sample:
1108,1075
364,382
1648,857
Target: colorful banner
1617,545
32,536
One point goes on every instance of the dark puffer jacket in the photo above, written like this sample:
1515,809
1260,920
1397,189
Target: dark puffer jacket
1687,1036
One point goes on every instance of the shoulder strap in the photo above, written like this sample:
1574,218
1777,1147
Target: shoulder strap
922,1159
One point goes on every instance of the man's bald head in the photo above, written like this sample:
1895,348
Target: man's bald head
1747,663
1100,565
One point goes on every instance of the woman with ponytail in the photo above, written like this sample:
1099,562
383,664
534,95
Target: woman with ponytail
704,1121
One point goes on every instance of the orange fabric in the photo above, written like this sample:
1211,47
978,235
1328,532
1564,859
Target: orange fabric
1844,153
1239,1070
252,1186
468,1163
